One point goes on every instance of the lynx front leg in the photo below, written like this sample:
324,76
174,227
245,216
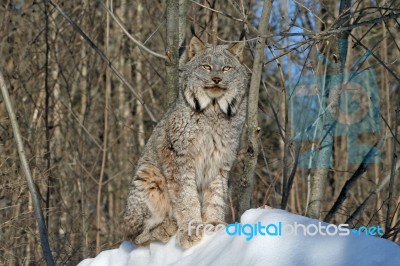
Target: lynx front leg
186,208
214,200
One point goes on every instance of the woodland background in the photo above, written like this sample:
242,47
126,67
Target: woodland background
84,129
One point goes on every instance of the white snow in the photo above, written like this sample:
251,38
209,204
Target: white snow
286,249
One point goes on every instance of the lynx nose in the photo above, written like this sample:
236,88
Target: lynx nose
216,80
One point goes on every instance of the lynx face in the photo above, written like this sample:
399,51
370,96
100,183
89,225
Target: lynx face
215,75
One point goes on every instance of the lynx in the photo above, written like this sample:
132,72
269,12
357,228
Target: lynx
182,174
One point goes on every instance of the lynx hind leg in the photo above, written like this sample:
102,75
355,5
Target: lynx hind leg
148,206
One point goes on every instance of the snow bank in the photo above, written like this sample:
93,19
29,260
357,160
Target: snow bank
284,249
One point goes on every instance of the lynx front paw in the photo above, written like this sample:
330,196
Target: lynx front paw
189,235
143,239
164,231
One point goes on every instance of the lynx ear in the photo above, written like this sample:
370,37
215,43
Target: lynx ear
237,50
195,46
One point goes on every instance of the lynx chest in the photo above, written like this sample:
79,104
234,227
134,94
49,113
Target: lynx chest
213,149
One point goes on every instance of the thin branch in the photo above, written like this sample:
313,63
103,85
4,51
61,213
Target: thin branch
351,181
360,209
25,168
249,25
309,10
389,128
363,23
378,59
217,11
139,44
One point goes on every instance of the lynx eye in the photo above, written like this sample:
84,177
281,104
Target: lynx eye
206,67
226,68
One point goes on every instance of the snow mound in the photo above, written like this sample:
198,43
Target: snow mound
280,247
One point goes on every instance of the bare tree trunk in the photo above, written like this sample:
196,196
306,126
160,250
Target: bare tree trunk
247,180
182,31
139,80
125,117
172,51
105,141
84,98
327,127
212,22
47,114
385,89
30,238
